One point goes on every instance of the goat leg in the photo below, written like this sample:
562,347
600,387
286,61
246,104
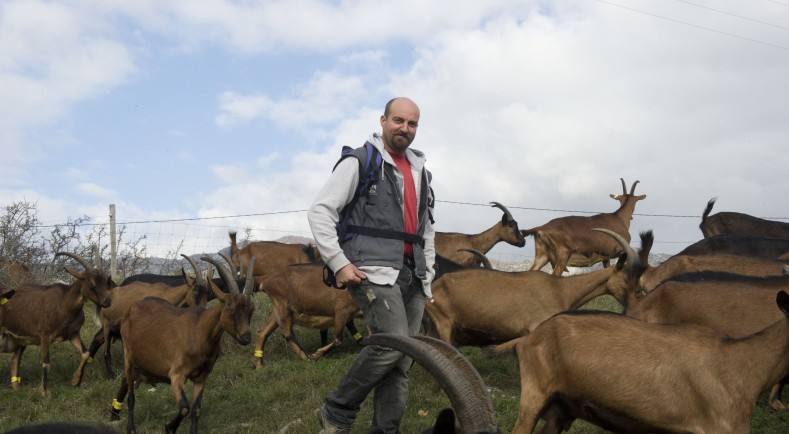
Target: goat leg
15,359
115,411
197,398
95,344
775,395
263,335
77,378
43,352
183,407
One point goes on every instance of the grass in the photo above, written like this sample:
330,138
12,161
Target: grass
279,398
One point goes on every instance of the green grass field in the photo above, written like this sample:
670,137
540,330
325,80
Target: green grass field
279,398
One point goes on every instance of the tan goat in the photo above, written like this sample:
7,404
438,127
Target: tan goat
626,375
44,315
569,241
165,343
270,256
299,297
448,244
481,307
123,297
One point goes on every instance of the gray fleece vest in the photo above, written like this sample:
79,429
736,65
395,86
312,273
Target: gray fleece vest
382,207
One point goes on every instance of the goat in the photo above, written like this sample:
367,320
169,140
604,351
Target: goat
735,223
741,245
123,297
299,296
448,244
14,273
682,264
483,307
165,343
569,241
592,366
43,315
270,255
455,375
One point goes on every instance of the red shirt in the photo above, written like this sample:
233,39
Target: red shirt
409,200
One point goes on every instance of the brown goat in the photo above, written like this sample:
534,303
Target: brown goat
299,296
123,297
270,256
44,315
165,343
448,244
482,307
681,264
735,223
569,241
592,366
14,273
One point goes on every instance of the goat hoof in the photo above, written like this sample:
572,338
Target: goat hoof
777,405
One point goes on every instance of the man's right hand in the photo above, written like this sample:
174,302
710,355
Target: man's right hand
349,275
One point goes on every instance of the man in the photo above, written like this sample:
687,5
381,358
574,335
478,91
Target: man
386,262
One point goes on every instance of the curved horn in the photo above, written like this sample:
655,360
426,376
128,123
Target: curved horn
449,374
631,254
250,283
198,274
624,188
503,208
224,273
485,261
227,259
633,188
79,259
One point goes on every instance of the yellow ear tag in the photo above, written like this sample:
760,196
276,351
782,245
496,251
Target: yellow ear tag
3,300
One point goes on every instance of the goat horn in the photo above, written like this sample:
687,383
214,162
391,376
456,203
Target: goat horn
250,283
449,374
224,273
624,187
503,208
633,188
77,258
227,259
485,261
468,370
97,256
198,275
631,254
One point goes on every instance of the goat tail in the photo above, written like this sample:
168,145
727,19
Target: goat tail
530,232
507,348
708,209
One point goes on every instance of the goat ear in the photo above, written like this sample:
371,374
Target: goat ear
222,296
77,274
620,263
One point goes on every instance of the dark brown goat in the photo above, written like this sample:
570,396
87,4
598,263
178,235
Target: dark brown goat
592,366
482,307
123,297
299,296
735,223
43,315
448,244
165,343
570,241
741,245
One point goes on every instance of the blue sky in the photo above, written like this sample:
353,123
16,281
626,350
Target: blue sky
180,109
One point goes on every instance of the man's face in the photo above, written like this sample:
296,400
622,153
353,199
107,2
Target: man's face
399,127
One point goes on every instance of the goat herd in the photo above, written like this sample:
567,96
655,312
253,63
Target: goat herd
704,333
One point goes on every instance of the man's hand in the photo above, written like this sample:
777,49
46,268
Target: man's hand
349,275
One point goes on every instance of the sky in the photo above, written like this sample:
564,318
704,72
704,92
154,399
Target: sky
231,114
